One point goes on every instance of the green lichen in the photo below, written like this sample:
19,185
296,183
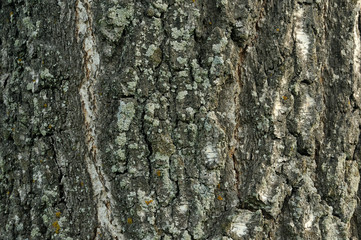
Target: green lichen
181,33
45,218
179,45
181,95
125,115
217,48
45,74
35,232
131,78
150,50
198,232
32,30
181,60
162,7
116,20
155,54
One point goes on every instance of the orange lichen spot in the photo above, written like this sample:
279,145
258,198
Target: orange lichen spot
8,193
277,29
57,214
45,105
41,161
50,126
34,80
159,173
149,202
231,152
56,226
218,185
82,183
11,13
285,98
321,80
219,198
194,1
13,129
19,60
349,103
130,221
210,23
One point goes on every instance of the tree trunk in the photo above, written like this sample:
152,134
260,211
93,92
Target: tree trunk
180,119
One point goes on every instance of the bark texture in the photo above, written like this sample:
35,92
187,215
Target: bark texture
180,119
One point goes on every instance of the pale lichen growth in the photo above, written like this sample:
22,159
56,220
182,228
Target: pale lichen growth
150,50
357,44
310,222
179,45
211,155
158,4
181,60
245,223
181,95
116,20
218,48
45,74
125,115
302,38
217,62
35,232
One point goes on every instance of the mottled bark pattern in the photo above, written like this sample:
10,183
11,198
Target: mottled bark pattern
180,119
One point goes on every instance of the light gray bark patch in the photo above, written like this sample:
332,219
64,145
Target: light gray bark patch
100,182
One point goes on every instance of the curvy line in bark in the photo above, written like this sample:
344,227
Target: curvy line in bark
100,183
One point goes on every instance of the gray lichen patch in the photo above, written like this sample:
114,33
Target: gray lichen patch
125,115
155,55
115,21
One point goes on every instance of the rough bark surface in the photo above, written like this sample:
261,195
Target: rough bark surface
180,119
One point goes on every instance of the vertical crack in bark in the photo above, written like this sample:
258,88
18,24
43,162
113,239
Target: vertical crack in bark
236,129
149,147
100,183
62,195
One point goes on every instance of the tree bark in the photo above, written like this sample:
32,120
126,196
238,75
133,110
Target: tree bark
180,119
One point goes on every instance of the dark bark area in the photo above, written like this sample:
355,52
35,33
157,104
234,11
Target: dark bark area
180,119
